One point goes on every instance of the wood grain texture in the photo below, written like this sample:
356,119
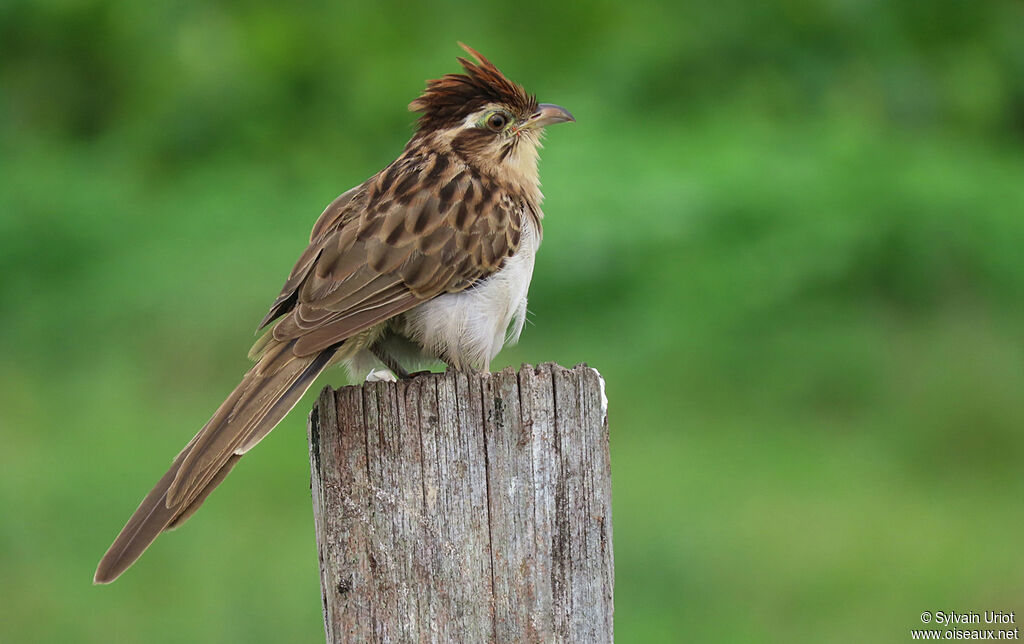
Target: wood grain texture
465,508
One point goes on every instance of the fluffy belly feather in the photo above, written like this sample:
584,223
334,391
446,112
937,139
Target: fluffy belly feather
467,329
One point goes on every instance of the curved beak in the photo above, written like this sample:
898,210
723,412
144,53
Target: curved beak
548,114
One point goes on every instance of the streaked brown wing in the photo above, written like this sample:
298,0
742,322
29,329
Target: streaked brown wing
415,240
331,218
398,240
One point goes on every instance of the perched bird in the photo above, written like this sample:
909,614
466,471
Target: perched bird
429,259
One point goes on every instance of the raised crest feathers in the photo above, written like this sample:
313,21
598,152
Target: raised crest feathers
450,98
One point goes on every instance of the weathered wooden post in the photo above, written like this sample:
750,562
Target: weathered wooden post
465,508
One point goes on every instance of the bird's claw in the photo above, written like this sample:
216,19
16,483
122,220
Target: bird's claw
381,375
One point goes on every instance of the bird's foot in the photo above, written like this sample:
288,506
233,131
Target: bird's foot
395,369
381,375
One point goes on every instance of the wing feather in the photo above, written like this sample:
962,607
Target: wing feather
400,239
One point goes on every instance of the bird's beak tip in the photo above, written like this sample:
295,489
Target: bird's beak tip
549,114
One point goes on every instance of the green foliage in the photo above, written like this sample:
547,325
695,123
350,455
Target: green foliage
789,234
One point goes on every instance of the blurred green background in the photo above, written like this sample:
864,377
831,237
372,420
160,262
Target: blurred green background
790,235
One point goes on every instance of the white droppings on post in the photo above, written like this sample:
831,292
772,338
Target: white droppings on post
604,396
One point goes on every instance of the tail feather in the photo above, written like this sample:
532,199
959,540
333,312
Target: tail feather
149,520
189,510
266,394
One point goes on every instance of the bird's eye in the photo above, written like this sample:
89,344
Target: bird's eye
496,122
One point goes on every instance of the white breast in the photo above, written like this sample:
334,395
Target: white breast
469,328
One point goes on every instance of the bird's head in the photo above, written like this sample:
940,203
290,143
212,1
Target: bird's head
486,118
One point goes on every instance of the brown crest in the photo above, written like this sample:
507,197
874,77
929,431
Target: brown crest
449,99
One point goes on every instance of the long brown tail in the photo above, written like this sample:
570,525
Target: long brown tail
267,392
